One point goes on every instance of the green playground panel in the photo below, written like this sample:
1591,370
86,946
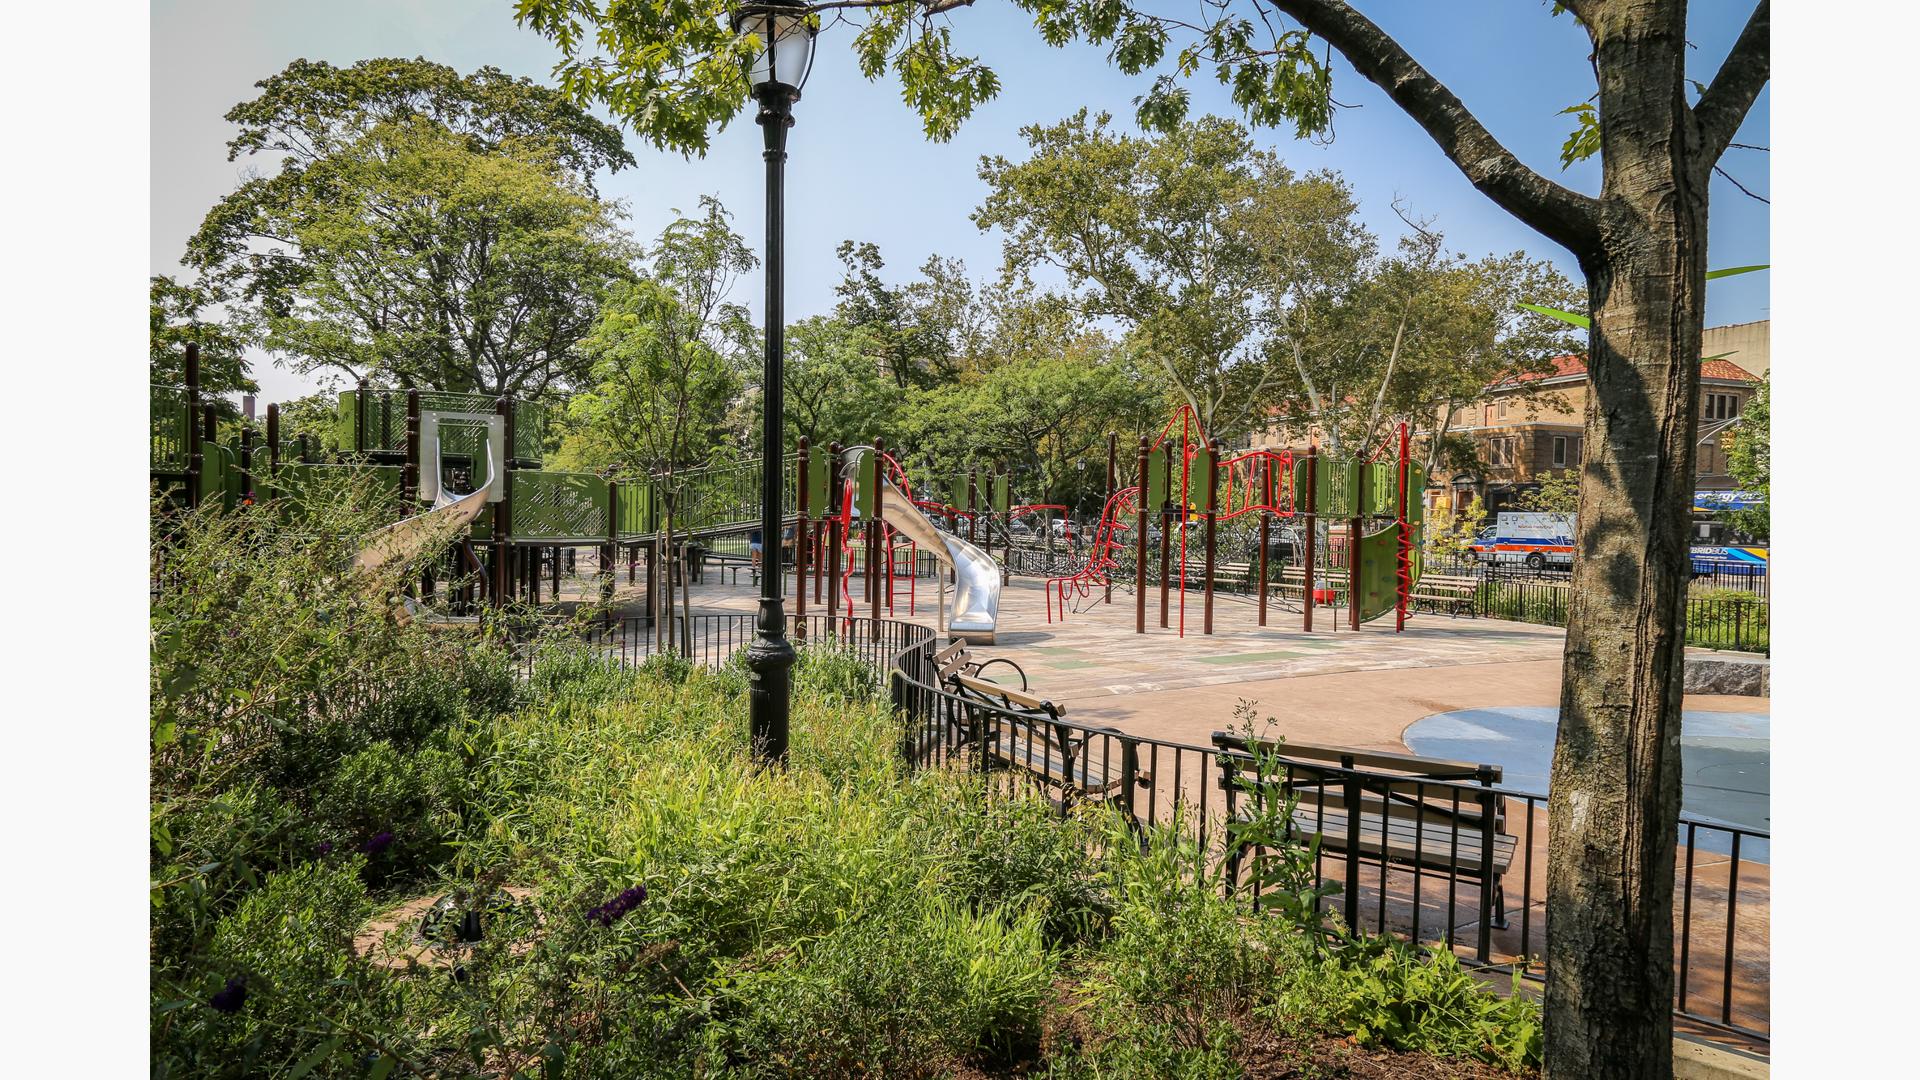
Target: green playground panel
1002,494
819,481
1157,481
1379,572
167,417
558,505
957,492
1199,492
386,415
295,478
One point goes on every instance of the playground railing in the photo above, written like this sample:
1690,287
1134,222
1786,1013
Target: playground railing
1434,897
1439,896
1738,623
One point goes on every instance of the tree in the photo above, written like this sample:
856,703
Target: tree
895,322
1144,229
1641,242
1558,493
1750,463
834,391
666,355
435,230
1039,416
175,322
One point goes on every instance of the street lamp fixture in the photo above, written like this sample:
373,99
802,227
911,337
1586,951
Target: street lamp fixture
778,72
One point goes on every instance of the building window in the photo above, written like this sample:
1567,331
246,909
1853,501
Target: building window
1500,452
1721,407
1559,451
1503,408
1489,415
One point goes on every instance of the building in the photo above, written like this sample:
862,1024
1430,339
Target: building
1531,427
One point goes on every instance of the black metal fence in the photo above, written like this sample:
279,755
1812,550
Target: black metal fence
1459,863
1725,621
1454,863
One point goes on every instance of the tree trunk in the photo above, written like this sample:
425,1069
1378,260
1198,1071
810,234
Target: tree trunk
1614,811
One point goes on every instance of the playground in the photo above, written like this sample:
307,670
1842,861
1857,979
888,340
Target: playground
1222,606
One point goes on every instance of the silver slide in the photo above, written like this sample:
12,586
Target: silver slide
403,538
976,597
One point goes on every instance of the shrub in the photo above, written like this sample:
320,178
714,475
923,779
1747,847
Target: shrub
278,984
1395,995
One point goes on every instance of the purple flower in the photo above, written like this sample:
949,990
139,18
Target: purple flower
325,847
380,842
230,997
610,912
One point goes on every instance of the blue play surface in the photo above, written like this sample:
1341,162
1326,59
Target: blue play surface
1724,762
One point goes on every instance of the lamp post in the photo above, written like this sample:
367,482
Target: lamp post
778,72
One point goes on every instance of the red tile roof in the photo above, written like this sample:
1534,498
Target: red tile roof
1570,366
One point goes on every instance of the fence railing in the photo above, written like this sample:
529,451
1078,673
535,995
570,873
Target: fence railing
1456,863
1417,866
1739,623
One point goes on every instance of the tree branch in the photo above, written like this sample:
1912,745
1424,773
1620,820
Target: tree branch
1725,104
1566,217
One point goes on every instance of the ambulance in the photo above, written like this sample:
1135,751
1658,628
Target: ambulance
1537,540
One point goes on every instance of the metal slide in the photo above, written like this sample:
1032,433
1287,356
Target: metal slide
401,540
976,596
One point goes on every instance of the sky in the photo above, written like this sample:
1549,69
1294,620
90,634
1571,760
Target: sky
860,167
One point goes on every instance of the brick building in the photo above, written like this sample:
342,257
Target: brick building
1531,427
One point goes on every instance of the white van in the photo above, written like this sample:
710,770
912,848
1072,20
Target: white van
1538,540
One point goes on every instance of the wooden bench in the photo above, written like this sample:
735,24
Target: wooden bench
1015,729
957,659
1438,591
1406,810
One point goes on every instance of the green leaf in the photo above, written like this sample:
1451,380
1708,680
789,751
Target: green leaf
1732,270
311,1061
1576,319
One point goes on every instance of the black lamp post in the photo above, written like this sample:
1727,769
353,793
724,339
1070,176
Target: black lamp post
786,38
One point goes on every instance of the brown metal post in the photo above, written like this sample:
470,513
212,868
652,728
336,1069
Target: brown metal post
502,524
196,456
835,496
1113,451
1166,532
1213,519
1266,535
1312,536
1140,546
246,464
800,526
610,554
873,536
273,439
410,474
1354,524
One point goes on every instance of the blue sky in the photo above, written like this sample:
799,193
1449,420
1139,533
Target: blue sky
861,169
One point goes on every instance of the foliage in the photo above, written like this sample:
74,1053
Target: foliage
834,391
1558,493
1750,462
666,354
435,230
674,74
1421,999
174,321
1143,228
1452,534
690,913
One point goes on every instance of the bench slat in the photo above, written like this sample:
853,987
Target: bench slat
1435,843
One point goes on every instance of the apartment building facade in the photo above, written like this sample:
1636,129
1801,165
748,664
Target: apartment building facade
1532,427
